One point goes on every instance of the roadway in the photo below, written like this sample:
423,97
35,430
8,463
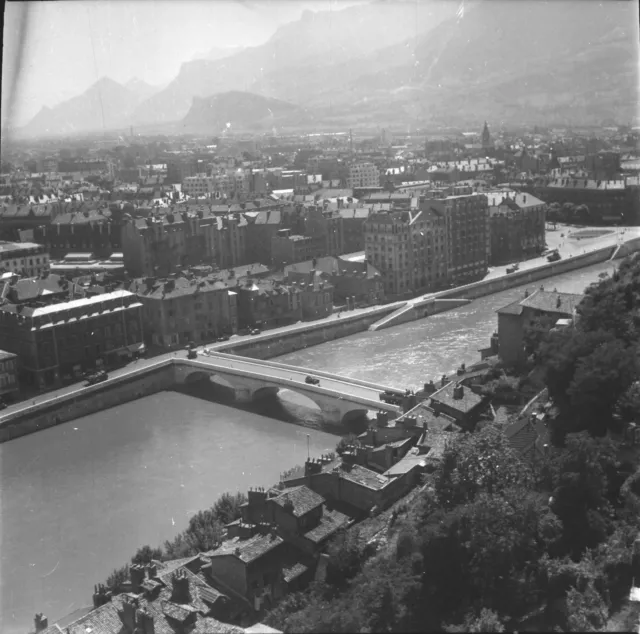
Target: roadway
277,372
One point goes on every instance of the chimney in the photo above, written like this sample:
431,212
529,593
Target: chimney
311,467
41,622
443,380
101,595
288,505
180,587
127,614
152,571
382,418
145,622
136,573
458,391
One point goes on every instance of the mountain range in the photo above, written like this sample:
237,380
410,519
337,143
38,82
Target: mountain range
397,64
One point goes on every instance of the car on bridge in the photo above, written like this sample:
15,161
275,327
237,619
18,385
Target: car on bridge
192,353
312,380
97,377
392,397
222,338
255,331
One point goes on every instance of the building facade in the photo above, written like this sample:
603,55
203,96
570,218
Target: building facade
516,227
468,238
24,258
9,385
61,341
363,175
179,309
409,248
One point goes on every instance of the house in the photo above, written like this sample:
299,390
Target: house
515,317
170,601
529,436
460,403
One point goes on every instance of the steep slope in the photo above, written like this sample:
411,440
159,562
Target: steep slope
105,105
240,111
533,60
300,49
141,89
216,53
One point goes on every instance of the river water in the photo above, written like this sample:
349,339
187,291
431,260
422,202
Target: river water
77,500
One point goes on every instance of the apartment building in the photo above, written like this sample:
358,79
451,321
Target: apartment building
62,340
9,384
198,186
516,226
468,238
287,248
160,246
363,175
327,224
24,258
409,248
184,308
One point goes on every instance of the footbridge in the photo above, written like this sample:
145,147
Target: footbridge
339,398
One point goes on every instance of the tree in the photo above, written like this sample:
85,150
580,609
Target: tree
586,610
600,379
481,462
488,621
145,554
227,507
536,332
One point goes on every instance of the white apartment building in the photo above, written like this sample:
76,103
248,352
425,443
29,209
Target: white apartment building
228,183
27,259
363,175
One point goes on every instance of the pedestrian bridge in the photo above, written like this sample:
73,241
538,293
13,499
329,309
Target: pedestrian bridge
340,398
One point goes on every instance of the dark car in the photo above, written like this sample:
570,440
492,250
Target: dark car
192,354
98,377
255,331
393,398
554,257
3,405
312,380
222,338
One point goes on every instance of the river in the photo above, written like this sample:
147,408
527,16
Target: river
77,500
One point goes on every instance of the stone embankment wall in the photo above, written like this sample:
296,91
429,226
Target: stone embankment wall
526,276
87,400
269,345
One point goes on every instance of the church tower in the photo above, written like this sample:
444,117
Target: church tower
486,137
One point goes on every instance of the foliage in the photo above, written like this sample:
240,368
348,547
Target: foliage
346,441
145,554
586,610
476,463
117,577
536,332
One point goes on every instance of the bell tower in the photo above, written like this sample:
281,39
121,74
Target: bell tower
486,137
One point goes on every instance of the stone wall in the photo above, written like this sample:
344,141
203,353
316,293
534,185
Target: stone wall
526,276
88,400
269,345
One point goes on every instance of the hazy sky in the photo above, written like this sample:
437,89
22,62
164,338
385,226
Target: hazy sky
70,44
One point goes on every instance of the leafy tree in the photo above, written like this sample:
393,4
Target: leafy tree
481,462
346,556
145,554
488,621
586,610
536,332
627,407
598,382
346,441
227,507
117,577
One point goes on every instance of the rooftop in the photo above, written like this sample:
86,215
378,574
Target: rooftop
248,550
545,301
302,498
466,403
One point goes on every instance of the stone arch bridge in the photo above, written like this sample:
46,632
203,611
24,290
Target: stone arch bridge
339,398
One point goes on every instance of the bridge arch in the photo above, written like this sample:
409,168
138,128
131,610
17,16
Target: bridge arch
297,398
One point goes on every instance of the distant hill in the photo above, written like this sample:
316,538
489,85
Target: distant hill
217,52
105,105
241,111
302,49
396,63
141,89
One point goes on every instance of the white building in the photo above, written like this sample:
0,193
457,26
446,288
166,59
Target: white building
363,175
27,259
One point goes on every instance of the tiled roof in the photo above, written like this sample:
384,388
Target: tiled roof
363,476
302,498
293,571
248,550
411,461
468,401
552,301
330,522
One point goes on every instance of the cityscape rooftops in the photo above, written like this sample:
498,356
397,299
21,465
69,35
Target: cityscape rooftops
544,301
248,550
302,499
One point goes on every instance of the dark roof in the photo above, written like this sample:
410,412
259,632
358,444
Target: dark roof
303,499
330,522
465,404
248,550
